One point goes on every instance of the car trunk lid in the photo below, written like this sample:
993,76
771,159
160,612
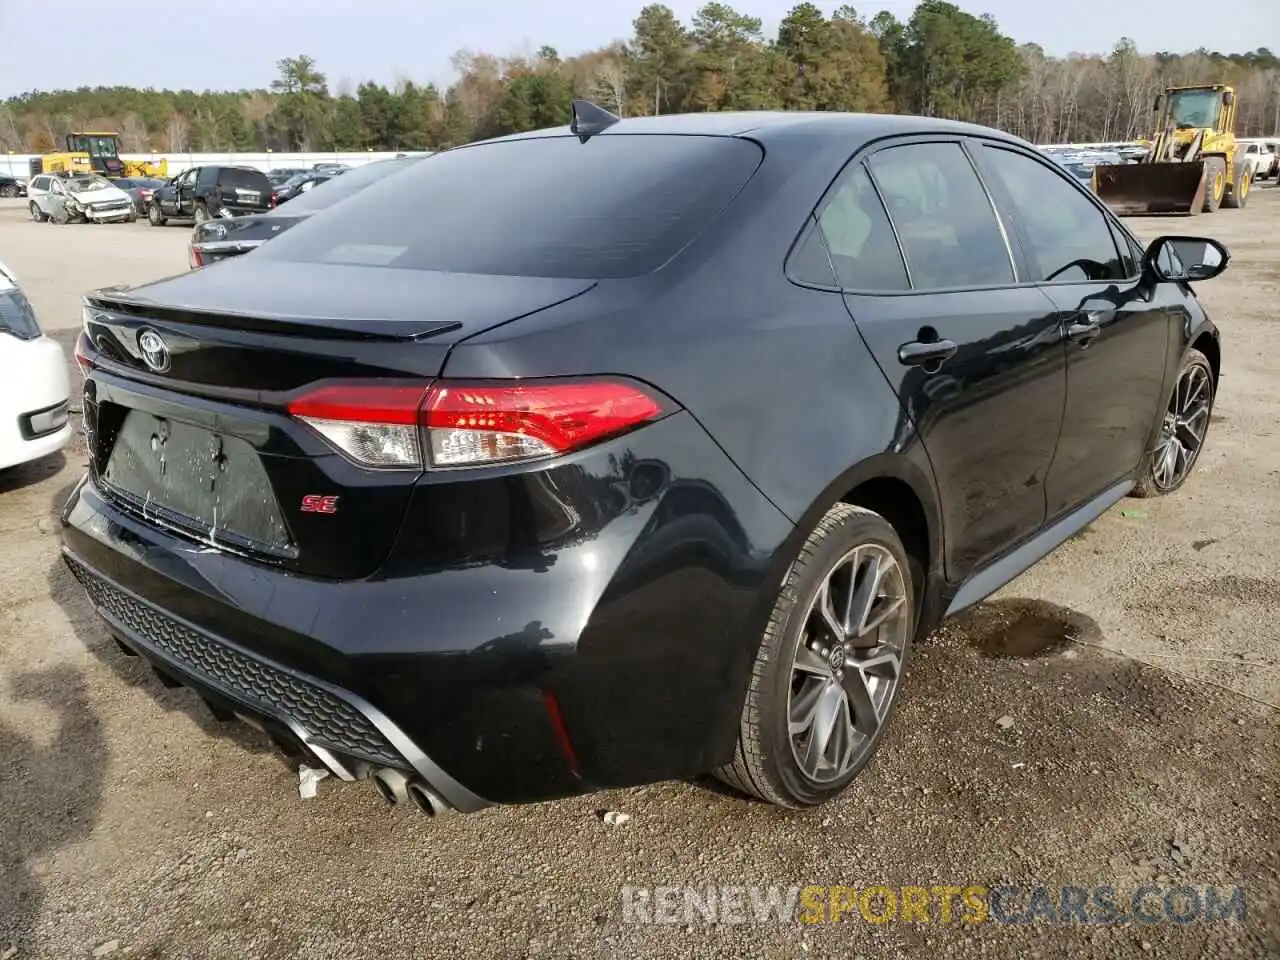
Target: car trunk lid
190,380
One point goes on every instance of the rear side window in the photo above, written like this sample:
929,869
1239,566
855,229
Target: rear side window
617,206
247,179
1068,238
948,229
859,237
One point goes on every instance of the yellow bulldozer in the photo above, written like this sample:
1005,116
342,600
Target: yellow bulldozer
1193,164
96,152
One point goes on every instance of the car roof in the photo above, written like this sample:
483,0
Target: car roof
766,125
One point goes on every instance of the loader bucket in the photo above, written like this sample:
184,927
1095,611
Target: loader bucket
1151,189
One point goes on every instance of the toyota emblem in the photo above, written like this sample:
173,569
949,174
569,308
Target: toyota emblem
154,350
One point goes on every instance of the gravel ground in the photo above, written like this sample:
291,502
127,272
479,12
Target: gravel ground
1108,719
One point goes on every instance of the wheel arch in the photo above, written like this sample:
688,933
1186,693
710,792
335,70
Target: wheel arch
1206,341
903,492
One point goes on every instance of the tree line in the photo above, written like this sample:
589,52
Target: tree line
940,62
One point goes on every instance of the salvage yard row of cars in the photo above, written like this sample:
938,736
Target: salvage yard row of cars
529,498
196,194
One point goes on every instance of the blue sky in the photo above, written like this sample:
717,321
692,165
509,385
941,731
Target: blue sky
228,44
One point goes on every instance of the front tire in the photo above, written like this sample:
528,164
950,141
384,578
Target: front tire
202,213
1215,183
1238,193
1183,430
154,216
828,670
38,215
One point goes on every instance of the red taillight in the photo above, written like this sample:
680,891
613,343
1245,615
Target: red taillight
82,357
194,256
275,199
471,424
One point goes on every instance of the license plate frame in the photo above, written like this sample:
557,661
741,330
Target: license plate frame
201,482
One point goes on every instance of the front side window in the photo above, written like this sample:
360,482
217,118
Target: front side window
619,205
949,232
1068,237
1194,108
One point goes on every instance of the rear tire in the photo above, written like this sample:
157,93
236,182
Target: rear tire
9,191
202,213
823,687
1215,183
1238,193
154,216
1183,431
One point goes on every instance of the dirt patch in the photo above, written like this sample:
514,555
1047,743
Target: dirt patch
1025,628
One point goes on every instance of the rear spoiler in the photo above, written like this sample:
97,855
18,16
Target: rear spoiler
117,300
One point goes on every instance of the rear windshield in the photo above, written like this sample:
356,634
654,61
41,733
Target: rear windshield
344,186
248,179
617,206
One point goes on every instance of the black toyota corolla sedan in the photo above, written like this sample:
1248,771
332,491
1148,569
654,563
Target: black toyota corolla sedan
628,451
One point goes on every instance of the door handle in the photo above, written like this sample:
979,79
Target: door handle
1085,328
918,353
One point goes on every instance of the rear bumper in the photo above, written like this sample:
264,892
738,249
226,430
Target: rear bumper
338,729
615,652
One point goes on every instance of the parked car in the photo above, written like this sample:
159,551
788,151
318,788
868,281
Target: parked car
300,184
1259,156
216,240
11,186
213,191
1274,147
281,174
1081,163
330,167
141,190
627,451
34,419
81,198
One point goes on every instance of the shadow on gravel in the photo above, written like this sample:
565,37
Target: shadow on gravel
29,474
51,793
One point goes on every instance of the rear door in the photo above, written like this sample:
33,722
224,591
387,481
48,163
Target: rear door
976,359
1117,329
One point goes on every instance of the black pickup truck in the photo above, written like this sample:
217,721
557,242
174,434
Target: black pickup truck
202,193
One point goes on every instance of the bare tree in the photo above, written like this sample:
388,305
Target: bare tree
609,85
178,132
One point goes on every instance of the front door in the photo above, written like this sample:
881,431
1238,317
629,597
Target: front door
187,194
977,361
1117,328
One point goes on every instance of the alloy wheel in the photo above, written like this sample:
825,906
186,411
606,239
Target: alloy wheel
848,663
1182,434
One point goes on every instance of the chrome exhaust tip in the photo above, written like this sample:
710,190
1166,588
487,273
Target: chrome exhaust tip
427,800
392,785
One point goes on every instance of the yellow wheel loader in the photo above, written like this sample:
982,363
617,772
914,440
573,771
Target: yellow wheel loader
96,153
1193,164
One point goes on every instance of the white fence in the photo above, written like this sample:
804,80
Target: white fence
19,164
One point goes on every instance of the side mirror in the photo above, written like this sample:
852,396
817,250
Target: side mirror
1174,259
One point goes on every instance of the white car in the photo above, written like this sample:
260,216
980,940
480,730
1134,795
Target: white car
34,386
82,197
1259,155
